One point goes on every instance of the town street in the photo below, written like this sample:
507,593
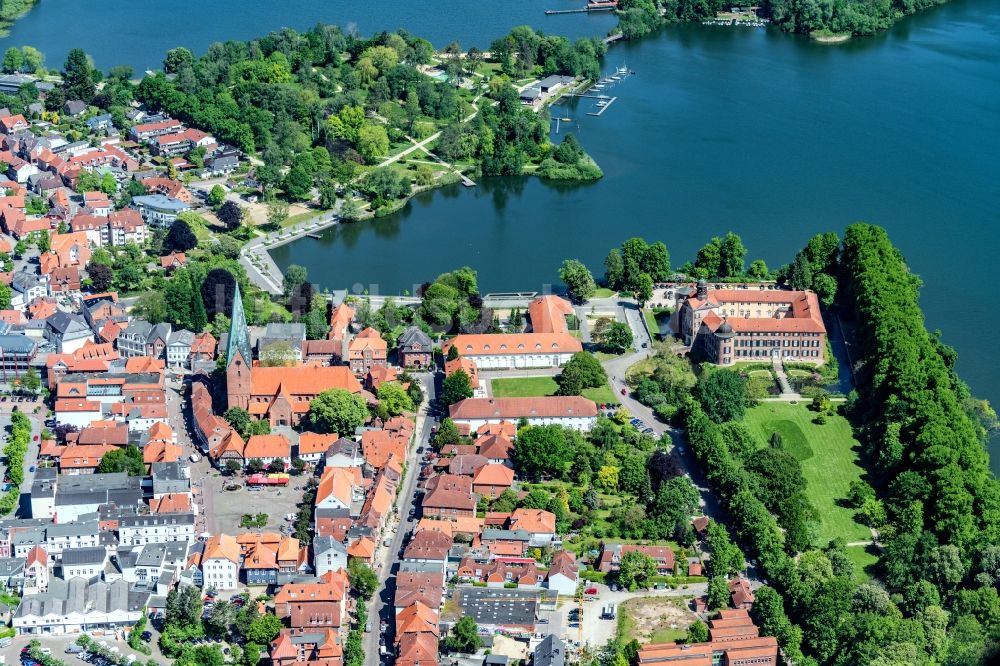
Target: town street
381,607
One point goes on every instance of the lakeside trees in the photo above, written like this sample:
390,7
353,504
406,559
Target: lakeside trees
638,18
936,504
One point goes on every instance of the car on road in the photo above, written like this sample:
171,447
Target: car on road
31,469
624,392
147,636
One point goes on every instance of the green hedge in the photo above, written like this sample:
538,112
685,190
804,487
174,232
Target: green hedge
593,576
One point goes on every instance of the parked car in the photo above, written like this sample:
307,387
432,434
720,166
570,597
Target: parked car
590,590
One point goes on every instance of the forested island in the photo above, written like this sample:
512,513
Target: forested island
813,17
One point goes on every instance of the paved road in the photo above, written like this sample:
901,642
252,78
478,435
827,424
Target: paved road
381,607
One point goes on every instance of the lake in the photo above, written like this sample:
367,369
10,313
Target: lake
754,131
115,32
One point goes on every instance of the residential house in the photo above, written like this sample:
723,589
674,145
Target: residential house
367,350
74,107
67,332
423,587
86,563
141,338
329,555
308,606
448,496
314,446
415,349
428,547
220,562
139,530
611,554
563,575
178,349
496,449
540,524
491,480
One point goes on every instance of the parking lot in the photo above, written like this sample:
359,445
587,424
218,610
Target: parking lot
12,653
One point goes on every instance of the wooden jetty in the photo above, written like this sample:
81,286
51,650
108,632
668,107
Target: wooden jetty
609,101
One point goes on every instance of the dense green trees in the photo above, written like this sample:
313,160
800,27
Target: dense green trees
128,460
634,569
860,17
723,395
180,237
456,386
336,410
581,372
578,280
623,267
78,76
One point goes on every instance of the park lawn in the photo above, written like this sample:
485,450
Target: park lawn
600,395
865,558
526,387
523,387
829,458
604,292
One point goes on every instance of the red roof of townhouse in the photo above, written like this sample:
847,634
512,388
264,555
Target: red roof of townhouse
312,443
267,446
378,445
517,408
533,521
83,456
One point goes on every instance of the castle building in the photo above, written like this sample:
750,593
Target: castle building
755,324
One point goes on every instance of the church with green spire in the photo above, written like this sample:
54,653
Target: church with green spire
239,357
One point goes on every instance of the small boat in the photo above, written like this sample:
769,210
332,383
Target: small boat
616,78
602,102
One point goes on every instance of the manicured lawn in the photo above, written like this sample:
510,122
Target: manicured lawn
604,292
864,558
829,461
603,394
524,387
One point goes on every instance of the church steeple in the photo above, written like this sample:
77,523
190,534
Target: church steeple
239,358
239,336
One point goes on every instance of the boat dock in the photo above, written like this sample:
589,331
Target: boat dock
604,104
598,6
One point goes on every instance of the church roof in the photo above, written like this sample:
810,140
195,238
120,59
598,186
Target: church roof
239,336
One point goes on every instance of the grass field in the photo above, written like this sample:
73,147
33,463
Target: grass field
526,387
864,558
604,292
829,461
